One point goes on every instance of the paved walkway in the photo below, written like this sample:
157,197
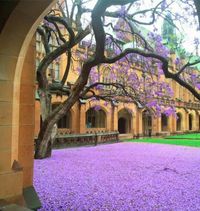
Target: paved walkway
122,176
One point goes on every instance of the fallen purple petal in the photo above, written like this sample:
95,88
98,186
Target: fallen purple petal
122,176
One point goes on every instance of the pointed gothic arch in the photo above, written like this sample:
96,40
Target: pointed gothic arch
95,118
124,121
164,122
179,121
146,123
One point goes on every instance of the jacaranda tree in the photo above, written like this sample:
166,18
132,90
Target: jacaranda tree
109,44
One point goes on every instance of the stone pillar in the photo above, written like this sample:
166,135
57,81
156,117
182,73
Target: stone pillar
159,125
154,125
194,122
139,129
173,122
114,118
133,124
14,41
27,116
185,121
82,116
109,120
171,126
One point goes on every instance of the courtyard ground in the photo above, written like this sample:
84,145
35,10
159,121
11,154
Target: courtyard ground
121,176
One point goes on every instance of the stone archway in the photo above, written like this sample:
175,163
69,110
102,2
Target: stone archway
95,118
179,122
146,123
17,97
164,122
65,121
190,121
124,121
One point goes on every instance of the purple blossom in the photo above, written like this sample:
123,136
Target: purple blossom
78,69
177,61
122,12
196,41
169,111
198,86
163,5
97,107
152,103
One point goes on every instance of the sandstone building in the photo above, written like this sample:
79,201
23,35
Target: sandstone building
129,119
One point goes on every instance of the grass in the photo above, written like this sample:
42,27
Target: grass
180,142
185,136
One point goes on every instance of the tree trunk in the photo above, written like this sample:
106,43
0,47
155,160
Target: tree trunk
47,132
46,144
43,146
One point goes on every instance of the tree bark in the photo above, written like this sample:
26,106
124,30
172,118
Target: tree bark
45,103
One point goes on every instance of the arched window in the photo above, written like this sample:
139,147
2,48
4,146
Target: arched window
178,122
146,123
65,121
95,118
57,71
106,77
190,121
164,122
122,125
124,121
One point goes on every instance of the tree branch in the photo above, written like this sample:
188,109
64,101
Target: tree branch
188,64
66,73
44,39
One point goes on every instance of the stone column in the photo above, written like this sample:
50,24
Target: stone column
159,125
154,125
82,116
133,124
27,116
114,118
139,129
14,41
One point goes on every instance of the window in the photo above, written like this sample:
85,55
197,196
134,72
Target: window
50,71
95,119
37,62
57,71
190,121
38,48
164,122
38,37
65,121
178,122
106,77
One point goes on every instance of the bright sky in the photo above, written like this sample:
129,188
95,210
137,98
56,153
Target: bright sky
188,27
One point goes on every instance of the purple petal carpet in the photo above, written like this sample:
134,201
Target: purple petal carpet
122,176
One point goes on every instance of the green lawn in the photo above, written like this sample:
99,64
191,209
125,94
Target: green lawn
185,136
182,142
